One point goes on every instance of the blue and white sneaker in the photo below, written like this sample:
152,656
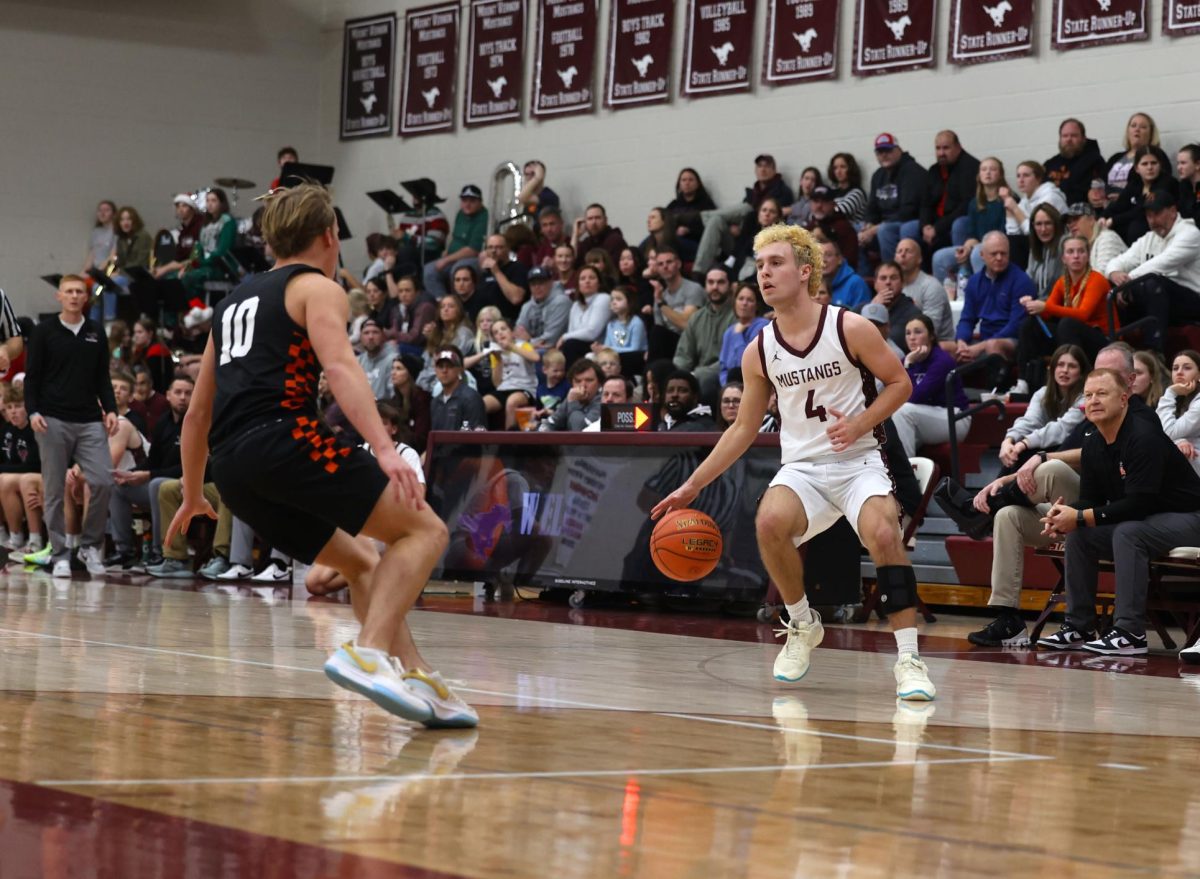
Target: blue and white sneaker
374,674
802,637
912,679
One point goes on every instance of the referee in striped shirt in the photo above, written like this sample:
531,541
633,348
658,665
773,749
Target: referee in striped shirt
11,343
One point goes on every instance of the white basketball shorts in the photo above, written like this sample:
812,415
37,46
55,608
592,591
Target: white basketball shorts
838,488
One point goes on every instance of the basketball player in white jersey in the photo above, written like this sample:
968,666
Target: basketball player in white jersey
822,361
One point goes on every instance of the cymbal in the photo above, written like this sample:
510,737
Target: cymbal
235,182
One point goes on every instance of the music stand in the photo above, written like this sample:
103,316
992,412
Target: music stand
139,273
344,233
53,280
295,173
423,190
102,280
390,202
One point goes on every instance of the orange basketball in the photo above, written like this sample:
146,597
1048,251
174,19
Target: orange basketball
686,545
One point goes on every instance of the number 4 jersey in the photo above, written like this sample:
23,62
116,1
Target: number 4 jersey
266,368
814,381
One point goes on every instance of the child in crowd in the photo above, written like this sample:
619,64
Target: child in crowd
553,386
609,362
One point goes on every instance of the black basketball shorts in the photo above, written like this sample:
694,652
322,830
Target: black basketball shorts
294,482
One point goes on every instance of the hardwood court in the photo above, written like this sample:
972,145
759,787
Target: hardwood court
166,732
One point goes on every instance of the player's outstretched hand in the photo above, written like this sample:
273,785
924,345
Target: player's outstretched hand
408,488
680,499
843,432
188,511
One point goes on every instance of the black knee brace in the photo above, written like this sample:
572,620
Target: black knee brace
897,585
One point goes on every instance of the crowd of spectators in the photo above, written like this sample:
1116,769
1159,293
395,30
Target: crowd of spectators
461,325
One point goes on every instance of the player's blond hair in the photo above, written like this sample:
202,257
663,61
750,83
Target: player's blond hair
806,250
296,217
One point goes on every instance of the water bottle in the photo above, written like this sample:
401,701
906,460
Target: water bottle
951,285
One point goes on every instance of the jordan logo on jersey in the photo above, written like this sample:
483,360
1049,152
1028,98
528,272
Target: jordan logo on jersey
806,374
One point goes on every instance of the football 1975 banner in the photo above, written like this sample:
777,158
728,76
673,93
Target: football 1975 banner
1180,19
564,67
430,69
368,70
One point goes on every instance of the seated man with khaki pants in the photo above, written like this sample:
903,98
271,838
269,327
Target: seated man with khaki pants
176,564
1044,479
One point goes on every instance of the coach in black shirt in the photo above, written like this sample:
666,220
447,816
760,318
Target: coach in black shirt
1138,499
71,406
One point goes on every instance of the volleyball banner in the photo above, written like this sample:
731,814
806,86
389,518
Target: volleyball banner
717,47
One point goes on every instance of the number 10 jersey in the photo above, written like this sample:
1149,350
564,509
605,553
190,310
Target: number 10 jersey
810,383
266,368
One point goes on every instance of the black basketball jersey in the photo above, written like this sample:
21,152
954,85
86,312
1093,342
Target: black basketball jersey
266,367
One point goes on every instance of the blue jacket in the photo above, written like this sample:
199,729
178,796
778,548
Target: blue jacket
848,289
995,304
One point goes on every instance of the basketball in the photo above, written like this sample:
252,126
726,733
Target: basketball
686,545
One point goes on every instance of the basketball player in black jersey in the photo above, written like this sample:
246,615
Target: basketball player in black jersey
280,469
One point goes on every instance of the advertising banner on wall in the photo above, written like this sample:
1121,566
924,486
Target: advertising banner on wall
980,33
563,70
639,52
717,47
1081,23
430,69
368,71
893,35
495,62
801,41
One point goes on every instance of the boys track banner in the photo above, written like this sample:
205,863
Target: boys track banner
717,45
893,35
639,52
999,32
430,69
1080,23
564,66
802,41
368,71
495,62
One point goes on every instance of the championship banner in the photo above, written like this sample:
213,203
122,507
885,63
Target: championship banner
801,41
563,71
1081,23
430,69
718,42
980,33
1180,19
639,52
495,62
893,35
368,69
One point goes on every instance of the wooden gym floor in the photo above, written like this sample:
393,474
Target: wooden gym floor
158,730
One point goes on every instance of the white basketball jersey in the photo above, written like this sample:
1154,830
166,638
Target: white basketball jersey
811,382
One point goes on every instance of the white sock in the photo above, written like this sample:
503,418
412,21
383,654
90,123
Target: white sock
800,611
906,640
73,541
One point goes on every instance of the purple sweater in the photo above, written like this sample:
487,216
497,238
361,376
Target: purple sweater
929,380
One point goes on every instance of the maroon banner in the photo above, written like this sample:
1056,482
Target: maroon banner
639,52
1180,19
430,69
893,35
368,71
1081,23
495,62
566,56
801,41
718,43
980,33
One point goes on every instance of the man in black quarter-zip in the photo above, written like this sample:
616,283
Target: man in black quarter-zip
72,409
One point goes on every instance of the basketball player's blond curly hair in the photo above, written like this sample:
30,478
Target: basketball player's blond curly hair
804,246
